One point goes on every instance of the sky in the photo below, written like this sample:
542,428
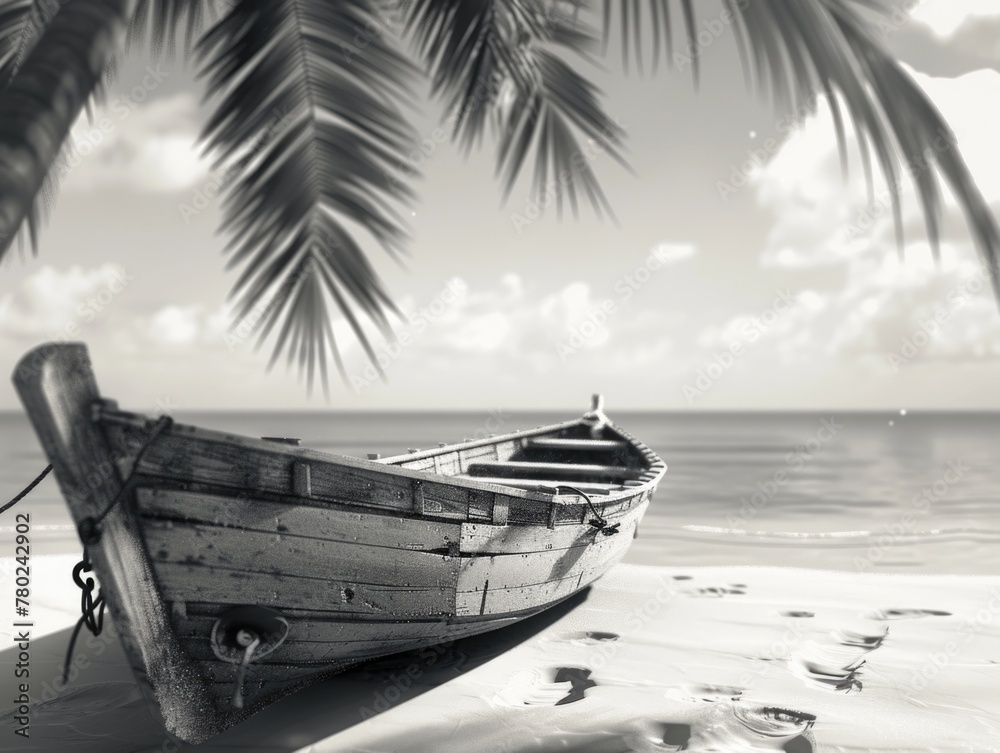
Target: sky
743,271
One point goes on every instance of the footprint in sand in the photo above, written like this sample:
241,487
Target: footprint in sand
587,637
554,686
738,726
716,592
905,614
708,693
798,614
835,663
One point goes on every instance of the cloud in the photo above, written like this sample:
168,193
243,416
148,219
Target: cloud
822,220
672,253
53,304
147,147
177,325
867,304
946,17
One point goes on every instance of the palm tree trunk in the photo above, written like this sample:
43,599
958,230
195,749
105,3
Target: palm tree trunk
46,97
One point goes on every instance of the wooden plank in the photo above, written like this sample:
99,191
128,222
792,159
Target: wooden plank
489,442
310,652
560,470
547,486
302,480
501,510
314,520
286,554
516,570
59,392
326,630
192,454
446,501
188,455
481,505
586,445
503,600
482,538
268,675
189,582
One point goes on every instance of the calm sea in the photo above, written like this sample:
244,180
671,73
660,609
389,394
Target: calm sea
875,492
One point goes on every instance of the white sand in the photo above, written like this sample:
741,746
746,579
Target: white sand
733,659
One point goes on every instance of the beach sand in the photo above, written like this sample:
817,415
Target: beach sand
649,659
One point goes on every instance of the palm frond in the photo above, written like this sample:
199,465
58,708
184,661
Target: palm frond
795,50
157,23
502,61
21,23
326,130
60,72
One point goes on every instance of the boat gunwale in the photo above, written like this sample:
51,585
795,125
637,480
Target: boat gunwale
381,466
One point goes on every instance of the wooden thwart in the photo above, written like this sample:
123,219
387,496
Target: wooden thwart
546,485
559,470
595,445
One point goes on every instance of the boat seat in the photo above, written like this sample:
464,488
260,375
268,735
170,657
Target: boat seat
594,445
558,470
547,485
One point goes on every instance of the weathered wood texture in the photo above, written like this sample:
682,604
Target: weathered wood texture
362,558
581,471
57,386
298,518
513,574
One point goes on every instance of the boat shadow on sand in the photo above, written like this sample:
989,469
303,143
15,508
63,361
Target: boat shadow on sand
103,709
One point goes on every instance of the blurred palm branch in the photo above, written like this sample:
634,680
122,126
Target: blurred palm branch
312,102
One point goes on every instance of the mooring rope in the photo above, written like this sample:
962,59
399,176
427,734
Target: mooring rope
92,610
88,605
27,489
89,528
90,533
599,522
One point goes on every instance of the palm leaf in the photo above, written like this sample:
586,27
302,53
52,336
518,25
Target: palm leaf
502,61
794,50
157,22
325,131
21,23
39,106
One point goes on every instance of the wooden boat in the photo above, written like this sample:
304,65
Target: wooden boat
238,569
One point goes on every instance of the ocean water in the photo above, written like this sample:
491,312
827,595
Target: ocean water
861,492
